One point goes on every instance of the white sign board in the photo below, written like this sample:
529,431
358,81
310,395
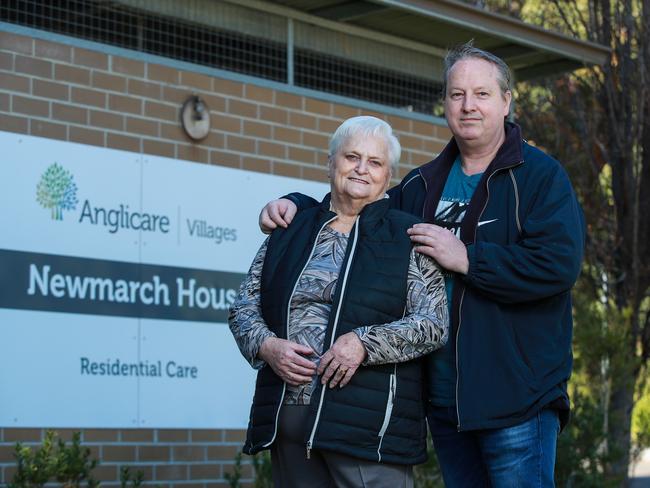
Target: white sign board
117,271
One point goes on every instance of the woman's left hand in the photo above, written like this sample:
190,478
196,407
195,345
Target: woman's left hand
341,361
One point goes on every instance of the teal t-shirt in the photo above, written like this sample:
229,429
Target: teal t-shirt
450,212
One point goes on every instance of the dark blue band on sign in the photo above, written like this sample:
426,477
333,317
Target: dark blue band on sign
48,282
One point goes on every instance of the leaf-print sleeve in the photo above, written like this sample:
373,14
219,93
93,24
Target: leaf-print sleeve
425,325
245,318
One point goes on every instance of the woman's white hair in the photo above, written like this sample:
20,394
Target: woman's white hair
366,125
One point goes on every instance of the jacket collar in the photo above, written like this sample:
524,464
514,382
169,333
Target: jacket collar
371,213
510,153
435,173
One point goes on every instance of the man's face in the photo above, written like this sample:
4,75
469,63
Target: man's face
474,104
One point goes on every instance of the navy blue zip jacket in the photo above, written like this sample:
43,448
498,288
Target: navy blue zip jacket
511,314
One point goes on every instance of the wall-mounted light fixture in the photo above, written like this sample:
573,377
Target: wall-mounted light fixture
195,117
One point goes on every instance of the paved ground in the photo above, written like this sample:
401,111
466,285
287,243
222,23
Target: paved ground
641,472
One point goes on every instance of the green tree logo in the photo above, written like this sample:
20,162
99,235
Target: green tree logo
57,191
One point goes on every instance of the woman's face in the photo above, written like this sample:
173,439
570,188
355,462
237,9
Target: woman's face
360,172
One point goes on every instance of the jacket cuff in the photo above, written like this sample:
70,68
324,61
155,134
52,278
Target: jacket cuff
472,252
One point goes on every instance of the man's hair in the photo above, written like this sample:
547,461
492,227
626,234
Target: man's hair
364,126
468,51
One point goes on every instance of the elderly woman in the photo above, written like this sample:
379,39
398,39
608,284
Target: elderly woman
334,313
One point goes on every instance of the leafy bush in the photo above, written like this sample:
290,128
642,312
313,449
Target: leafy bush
54,461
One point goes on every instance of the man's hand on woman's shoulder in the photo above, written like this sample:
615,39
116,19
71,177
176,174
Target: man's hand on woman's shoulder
277,213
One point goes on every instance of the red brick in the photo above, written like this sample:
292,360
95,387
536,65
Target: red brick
272,149
51,50
328,126
11,82
16,43
33,66
214,140
165,74
226,123
142,126
256,164
94,138
92,59
9,472
316,140
173,435
98,435
72,74
174,95
286,169
207,435
433,147
258,93
7,454
401,124
6,61
170,472
153,453
215,103
442,132
244,109
126,143
30,106
173,132
256,129
288,100
231,160
163,111
223,453
344,111
69,113
50,89
109,82
120,103
318,107
158,148
137,435
105,473
302,121
205,472
410,142
42,128
22,435
227,87
302,155
192,153
127,66
144,89
273,114
196,80
188,453
242,144
4,102
314,173
286,134
107,120
118,453
85,96
11,123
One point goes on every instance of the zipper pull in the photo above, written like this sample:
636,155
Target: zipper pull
309,450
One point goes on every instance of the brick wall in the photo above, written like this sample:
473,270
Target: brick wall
64,92
180,458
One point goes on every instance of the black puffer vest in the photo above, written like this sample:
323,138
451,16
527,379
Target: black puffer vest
379,415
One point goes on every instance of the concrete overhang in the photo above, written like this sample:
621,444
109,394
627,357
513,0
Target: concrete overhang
529,50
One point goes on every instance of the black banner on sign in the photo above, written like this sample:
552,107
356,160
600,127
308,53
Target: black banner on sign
47,282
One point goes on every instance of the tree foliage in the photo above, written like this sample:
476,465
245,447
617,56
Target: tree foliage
597,122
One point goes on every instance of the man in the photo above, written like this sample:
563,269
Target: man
504,221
